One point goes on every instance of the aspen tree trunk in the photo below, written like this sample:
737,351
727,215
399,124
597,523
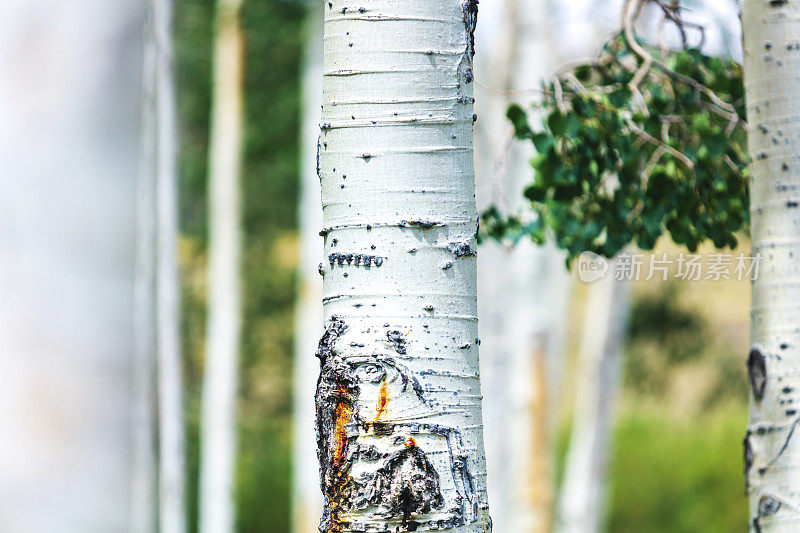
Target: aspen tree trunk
307,498
582,497
170,382
144,473
771,446
398,400
524,290
224,310
69,96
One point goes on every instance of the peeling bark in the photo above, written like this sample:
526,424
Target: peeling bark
771,448
399,429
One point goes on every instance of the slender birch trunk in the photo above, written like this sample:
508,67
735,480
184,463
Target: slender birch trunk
307,498
524,290
224,309
398,400
144,474
582,497
771,446
170,387
69,97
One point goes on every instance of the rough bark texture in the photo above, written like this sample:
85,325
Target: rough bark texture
771,446
524,289
220,383
170,382
582,497
69,96
307,498
398,401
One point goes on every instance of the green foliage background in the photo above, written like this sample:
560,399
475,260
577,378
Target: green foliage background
274,40
622,161
668,473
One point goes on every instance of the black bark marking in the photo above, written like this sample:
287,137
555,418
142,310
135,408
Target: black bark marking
777,3
319,141
783,447
421,223
325,346
460,249
768,506
468,75
406,485
398,341
757,373
355,259
471,21
411,484
749,455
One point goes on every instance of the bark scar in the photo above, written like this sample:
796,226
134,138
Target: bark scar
757,372
336,398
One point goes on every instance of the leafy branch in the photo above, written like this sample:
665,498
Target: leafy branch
631,146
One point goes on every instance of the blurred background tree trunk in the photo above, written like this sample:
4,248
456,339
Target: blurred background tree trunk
144,472
581,505
523,290
69,136
220,374
172,476
307,497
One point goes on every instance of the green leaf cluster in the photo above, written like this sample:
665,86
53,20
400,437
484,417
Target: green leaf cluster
626,153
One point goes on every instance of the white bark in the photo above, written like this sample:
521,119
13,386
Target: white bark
144,471
170,388
523,290
218,452
69,93
772,449
582,496
398,402
307,497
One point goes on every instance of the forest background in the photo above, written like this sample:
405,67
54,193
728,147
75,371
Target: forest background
683,396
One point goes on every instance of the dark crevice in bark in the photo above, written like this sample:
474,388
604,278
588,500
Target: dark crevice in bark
757,372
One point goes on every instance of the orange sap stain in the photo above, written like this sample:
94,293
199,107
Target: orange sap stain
383,399
341,418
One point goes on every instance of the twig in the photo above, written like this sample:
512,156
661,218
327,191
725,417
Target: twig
644,55
670,150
